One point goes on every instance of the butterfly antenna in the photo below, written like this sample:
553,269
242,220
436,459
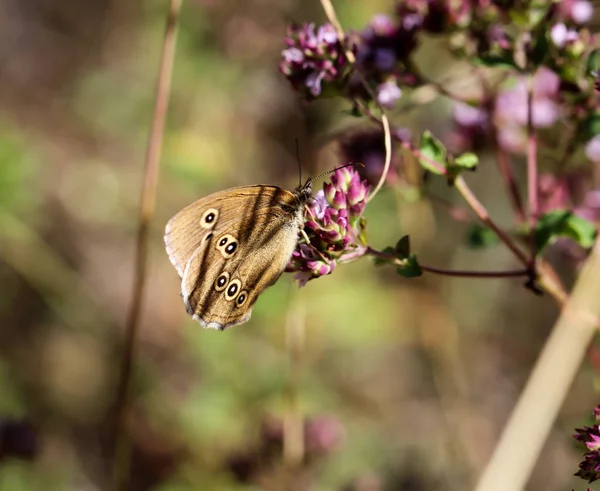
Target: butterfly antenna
298,158
333,170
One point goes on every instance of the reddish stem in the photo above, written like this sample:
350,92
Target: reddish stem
483,215
468,195
532,171
449,272
593,355
476,274
510,182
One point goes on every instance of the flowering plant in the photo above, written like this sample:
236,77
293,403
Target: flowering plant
534,85
335,227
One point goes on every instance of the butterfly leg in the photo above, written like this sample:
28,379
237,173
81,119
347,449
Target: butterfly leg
304,236
309,212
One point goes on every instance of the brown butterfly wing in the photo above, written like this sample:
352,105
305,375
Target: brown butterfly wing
229,246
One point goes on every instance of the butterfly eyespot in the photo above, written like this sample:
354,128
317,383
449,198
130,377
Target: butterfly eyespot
232,288
209,218
241,299
221,281
227,245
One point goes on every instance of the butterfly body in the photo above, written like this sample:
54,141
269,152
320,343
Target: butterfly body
231,245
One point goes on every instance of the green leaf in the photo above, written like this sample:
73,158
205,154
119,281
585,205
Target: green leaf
563,223
454,166
467,160
362,234
380,260
432,150
590,127
355,112
410,268
479,237
592,64
500,61
401,251
538,12
402,248
538,52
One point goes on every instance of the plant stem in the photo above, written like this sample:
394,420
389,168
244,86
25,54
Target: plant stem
510,182
476,274
406,145
469,197
450,272
532,173
483,215
121,450
387,139
531,420
293,428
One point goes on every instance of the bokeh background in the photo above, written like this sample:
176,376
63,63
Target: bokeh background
360,381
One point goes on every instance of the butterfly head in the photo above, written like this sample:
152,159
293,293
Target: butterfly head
304,192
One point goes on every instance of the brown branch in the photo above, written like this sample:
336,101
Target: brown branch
549,383
121,443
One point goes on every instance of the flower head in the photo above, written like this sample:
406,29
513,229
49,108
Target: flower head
314,59
334,226
589,468
592,149
388,94
384,48
511,109
576,11
323,434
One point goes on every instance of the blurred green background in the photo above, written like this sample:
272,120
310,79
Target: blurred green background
399,384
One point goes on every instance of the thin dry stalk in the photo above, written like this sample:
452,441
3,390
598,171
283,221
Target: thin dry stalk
121,450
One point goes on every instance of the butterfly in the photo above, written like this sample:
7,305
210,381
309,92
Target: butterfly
231,245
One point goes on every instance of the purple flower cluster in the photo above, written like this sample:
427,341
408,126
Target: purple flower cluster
334,226
314,59
494,32
383,52
571,14
569,42
589,468
476,27
511,109
571,191
471,128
